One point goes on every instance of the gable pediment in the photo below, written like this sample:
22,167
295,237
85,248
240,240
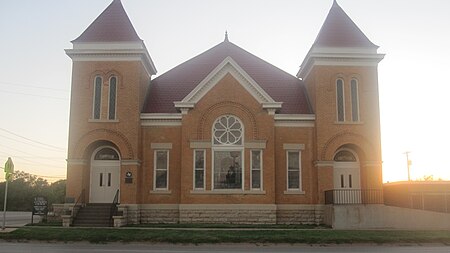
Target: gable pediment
228,66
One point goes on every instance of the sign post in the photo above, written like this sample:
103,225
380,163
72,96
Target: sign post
40,207
9,170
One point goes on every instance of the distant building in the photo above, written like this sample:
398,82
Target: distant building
224,137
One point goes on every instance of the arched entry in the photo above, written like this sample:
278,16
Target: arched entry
346,173
104,174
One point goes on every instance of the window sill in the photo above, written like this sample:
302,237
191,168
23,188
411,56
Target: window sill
163,192
103,120
228,192
294,192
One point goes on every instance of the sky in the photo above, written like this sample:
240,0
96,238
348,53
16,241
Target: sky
35,73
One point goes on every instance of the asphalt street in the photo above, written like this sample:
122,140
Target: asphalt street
13,247
17,219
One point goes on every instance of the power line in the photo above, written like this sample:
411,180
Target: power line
33,95
28,139
34,86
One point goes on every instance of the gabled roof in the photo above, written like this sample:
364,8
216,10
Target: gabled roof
178,82
113,25
339,30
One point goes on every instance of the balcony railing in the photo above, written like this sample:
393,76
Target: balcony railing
353,197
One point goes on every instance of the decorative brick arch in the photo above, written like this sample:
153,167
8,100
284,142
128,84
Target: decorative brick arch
213,112
115,137
347,138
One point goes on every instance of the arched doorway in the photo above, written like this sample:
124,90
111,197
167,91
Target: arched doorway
104,175
346,173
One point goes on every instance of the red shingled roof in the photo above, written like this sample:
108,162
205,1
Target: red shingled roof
178,82
113,25
339,30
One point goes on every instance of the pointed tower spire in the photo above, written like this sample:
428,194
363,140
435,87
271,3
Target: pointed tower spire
112,25
339,30
226,36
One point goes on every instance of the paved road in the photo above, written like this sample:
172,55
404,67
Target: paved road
17,219
222,248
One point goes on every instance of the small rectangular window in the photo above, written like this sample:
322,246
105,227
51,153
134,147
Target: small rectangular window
161,169
293,170
109,179
199,169
256,169
350,181
101,179
342,181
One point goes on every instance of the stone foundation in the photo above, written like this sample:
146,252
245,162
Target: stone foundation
300,214
228,214
159,213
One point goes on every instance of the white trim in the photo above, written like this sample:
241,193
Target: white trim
261,158
95,51
256,144
294,124
165,146
76,161
130,162
103,121
161,119
295,117
199,144
195,169
109,97
323,164
227,66
293,146
338,56
166,189
161,191
103,163
337,100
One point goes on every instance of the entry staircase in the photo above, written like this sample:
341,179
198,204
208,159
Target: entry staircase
95,215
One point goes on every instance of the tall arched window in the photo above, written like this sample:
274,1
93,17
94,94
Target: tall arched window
340,100
228,147
355,99
112,97
97,97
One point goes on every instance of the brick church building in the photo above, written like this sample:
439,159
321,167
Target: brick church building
224,137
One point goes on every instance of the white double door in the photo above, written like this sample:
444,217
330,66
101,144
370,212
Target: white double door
104,181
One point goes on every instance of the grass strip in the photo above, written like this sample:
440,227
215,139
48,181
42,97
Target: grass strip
226,236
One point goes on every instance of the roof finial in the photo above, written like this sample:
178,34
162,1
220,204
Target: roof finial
226,36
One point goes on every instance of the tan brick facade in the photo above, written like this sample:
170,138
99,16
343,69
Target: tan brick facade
156,135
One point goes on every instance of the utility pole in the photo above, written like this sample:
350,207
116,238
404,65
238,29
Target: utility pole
408,163
9,170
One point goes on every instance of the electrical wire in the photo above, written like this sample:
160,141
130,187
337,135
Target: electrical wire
28,139
34,86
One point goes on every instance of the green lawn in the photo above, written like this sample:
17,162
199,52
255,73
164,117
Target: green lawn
309,236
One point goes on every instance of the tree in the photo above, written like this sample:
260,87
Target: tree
24,187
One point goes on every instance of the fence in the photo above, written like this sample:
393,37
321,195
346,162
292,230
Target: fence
353,197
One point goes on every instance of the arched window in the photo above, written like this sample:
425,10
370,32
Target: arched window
345,156
228,147
112,97
340,100
106,154
355,99
97,97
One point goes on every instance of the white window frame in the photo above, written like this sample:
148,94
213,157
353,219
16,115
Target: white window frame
260,169
195,169
109,97
228,148
155,169
94,95
299,169
343,100
357,99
